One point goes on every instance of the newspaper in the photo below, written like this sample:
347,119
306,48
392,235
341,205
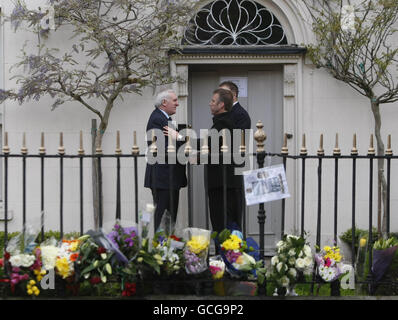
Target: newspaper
265,184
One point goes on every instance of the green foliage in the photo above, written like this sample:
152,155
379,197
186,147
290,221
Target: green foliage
346,237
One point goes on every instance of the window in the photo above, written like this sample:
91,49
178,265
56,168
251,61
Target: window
234,22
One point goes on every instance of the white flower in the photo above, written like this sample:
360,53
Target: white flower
307,251
49,256
308,261
274,260
292,261
300,263
22,260
284,281
300,254
279,267
292,252
280,244
292,272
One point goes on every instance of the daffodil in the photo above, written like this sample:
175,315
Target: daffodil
197,244
63,267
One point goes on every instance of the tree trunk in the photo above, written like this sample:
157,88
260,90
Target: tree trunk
380,166
97,135
95,174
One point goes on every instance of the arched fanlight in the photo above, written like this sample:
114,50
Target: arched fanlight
234,22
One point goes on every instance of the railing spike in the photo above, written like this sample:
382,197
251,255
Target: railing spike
260,137
224,147
24,150
135,150
6,148
371,150
81,150
321,151
42,149
389,150
354,150
153,148
285,150
303,150
118,150
336,150
61,148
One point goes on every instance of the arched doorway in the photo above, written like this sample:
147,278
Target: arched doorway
245,40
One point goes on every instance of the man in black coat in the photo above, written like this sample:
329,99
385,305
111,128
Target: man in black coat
242,121
240,115
157,175
220,106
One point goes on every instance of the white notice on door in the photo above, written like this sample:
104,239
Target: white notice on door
265,184
241,82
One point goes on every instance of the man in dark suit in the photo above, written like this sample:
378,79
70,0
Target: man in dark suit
158,175
242,121
240,115
220,106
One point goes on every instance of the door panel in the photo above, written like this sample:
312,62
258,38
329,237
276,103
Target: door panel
264,102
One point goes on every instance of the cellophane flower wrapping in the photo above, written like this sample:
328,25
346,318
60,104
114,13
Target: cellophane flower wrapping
124,239
217,267
329,265
167,247
145,223
196,250
233,250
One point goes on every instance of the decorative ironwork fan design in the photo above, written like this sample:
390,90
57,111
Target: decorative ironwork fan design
234,22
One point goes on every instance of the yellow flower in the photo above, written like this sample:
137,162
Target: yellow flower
197,244
232,243
62,266
362,242
74,245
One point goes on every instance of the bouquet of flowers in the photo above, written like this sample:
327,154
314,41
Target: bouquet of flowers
196,250
293,256
329,263
168,251
234,251
22,260
125,242
384,266
217,267
93,262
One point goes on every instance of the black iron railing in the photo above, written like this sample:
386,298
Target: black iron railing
260,155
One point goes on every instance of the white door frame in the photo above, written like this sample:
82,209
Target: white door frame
292,111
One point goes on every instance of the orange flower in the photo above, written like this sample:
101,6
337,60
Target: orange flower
73,257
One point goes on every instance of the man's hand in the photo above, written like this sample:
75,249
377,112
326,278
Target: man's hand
167,131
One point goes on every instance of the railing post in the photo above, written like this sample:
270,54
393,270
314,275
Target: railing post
354,154
171,160
98,153
337,154
224,150
24,152
81,154
260,137
389,154
61,152
371,154
284,152
42,152
118,152
303,154
135,152
6,152
187,152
